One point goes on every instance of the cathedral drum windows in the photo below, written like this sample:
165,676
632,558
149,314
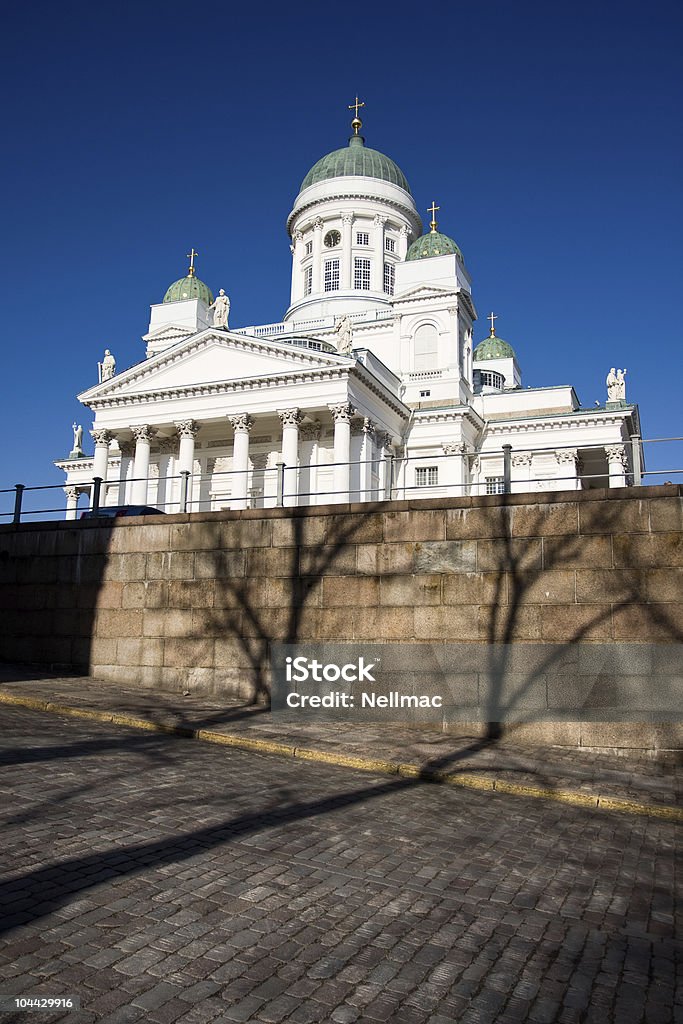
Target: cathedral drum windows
361,274
331,277
389,278
309,248
308,280
390,244
362,238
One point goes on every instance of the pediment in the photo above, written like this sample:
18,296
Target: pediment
210,358
168,332
424,291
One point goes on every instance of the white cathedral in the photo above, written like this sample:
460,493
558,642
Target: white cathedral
370,387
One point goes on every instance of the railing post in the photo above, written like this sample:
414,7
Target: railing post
636,460
507,468
184,488
280,484
18,496
96,489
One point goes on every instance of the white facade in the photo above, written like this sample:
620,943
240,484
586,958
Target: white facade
285,413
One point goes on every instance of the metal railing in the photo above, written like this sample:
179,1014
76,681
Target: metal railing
385,476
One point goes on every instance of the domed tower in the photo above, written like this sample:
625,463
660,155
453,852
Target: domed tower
495,364
351,223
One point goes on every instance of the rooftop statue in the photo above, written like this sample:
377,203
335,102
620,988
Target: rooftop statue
221,308
344,331
107,368
77,449
616,385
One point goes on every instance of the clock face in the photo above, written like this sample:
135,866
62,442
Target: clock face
331,239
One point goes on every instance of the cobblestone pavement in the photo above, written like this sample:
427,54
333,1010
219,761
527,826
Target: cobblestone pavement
162,879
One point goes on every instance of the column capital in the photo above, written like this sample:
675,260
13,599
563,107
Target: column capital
241,423
102,437
347,217
187,428
616,453
380,220
298,236
521,458
318,223
343,412
454,448
567,455
143,432
73,492
290,417
404,230
369,426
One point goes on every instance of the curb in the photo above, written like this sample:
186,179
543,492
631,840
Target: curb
466,780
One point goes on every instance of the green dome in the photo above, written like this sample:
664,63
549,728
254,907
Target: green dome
189,287
432,244
493,348
356,159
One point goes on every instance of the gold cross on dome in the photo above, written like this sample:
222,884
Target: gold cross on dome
492,317
191,255
356,124
432,209
356,105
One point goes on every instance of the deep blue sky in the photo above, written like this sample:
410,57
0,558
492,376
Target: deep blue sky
549,134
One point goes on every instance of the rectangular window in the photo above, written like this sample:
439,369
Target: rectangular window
308,280
332,275
361,274
425,394
495,485
389,278
390,244
309,248
426,476
362,238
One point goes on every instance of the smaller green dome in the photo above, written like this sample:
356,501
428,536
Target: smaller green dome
189,287
493,348
432,244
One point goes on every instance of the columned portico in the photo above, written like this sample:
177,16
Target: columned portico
342,450
143,434
290,419
126,449
241,424
102,439
617,463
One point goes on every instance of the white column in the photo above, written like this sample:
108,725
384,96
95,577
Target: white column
454,476
143,435
342,450
241,424
617,462
521,472
377,269
385,465
187,432
101,461
290,419
167,447
568,460
297,272
347,250
317,256
403,243
72,494
366,453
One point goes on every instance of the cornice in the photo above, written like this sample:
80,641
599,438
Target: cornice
466,412
373,384
304,209
571,421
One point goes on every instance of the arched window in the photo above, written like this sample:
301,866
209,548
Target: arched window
426,346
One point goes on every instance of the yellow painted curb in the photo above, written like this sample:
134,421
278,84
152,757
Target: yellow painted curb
467,780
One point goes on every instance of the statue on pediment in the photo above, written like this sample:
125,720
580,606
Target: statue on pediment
221,308
107,368
77,450
344,335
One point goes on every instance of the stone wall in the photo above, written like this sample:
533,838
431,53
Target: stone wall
193,602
